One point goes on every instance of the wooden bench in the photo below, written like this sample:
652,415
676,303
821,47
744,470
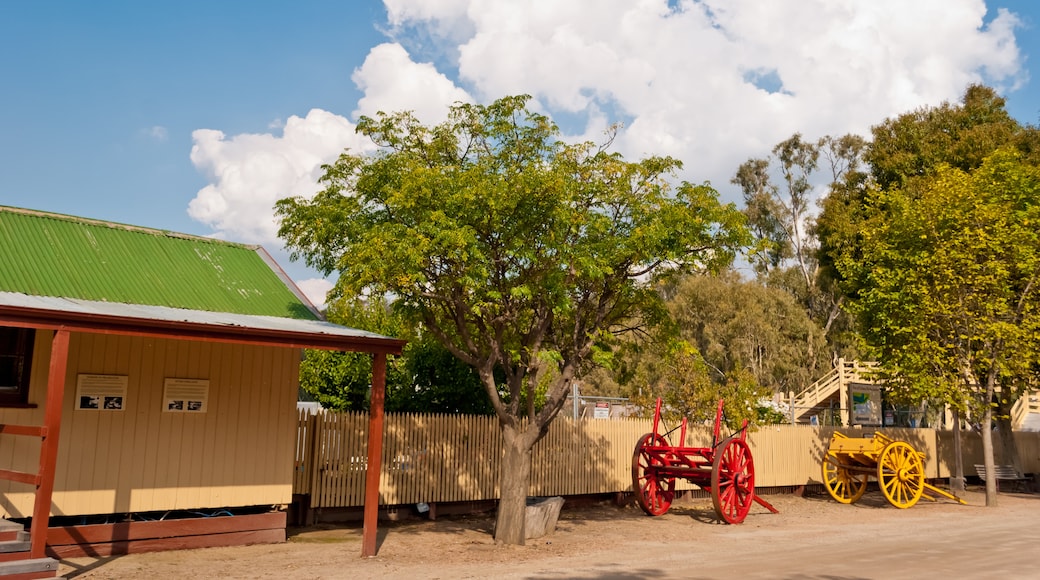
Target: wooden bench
1005,473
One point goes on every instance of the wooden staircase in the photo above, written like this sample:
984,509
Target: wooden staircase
21,557
830,391
1025,414
16,562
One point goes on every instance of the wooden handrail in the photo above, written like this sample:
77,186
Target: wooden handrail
20,476
30,430
1026,404
847,370
844,372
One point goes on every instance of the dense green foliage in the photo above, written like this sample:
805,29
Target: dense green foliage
951,280
726,338
342,380
916,237
438,383
743,325
914,145
689,387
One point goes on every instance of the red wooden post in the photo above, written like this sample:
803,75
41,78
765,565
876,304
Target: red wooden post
49,445
375,454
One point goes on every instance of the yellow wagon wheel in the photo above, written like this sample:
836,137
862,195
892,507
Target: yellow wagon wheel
843,485
901,474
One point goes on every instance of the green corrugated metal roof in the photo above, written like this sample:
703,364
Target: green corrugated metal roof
46,254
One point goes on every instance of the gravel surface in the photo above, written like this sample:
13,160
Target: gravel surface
812,537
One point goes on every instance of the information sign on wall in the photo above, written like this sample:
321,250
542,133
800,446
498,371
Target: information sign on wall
866,404
185,395
100,392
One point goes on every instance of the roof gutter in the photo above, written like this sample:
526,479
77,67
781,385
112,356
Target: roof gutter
185,330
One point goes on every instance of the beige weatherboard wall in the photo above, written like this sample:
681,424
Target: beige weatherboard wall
228,444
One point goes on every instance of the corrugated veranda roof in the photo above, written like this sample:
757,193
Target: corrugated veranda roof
46,254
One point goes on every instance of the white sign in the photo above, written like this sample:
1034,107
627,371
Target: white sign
100,392
185,395
602,411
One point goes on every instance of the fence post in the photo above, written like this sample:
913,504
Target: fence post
310,458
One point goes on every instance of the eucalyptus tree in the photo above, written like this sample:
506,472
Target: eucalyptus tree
780,195
518,252
726,338
778,215
691,388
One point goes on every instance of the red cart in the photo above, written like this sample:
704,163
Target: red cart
726,470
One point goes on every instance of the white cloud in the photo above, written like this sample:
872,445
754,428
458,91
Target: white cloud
687,77
443,20
157,132
711,82
401,11
392,82
248,173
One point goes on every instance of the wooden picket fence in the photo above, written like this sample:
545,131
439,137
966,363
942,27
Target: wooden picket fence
450,458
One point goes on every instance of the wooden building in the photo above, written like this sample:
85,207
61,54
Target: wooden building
146,376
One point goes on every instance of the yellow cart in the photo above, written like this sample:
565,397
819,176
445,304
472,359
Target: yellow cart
898,467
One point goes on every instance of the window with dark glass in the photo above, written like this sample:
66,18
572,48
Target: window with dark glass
16,345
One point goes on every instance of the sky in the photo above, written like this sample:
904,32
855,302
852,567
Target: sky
197,116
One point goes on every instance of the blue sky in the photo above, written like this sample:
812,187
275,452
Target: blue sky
103,102
86,83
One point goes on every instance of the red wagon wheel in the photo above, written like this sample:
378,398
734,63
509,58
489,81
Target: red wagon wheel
654,492
733,480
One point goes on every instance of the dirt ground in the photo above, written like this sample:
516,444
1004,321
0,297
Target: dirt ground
813,537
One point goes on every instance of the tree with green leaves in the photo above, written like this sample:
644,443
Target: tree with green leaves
341,380
437,382
912,146
725,338
777,214
905,156
950,286
518,252
905,152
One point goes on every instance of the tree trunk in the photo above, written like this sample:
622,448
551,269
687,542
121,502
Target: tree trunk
833,315
987,442
957,478
514,481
